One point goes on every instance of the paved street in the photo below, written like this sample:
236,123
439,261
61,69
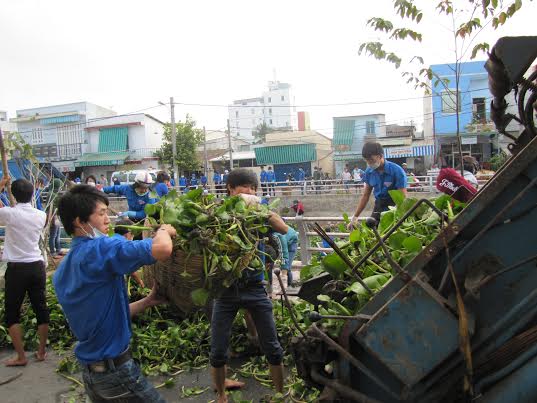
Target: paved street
39,383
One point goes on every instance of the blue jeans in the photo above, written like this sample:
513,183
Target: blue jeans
54,239
124,384
253,298
291,248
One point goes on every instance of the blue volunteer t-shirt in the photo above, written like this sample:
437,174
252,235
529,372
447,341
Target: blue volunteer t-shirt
91,290
161,189
392,178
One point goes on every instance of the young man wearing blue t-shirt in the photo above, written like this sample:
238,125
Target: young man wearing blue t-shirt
380,177
248,293
91,290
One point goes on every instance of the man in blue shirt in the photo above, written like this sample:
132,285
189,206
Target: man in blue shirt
247,293
271,179
380,176
182,183
193,182
137,195
91,290
263,180
289,242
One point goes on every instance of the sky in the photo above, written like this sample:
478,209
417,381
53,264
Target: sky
129,55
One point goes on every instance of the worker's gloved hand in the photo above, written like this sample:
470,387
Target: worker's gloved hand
250,200
354,223
122,214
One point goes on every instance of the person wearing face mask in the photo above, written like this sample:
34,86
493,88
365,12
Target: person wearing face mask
91,180
91,290
379,178
137,195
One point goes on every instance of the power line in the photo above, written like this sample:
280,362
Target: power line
320,105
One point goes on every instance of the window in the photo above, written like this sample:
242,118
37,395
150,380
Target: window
479,110
283,98
244,147
370,127
269,99
37,136
69,139
238,133
270,120
236,114
270,111
448,102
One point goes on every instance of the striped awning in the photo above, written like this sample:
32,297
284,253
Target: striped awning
286,154
408,151
99,159
343,132
113,139
59,119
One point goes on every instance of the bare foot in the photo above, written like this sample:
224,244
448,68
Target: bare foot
16,362
231,384
40,356
221,399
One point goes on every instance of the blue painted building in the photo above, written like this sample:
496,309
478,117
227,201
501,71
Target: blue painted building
474,112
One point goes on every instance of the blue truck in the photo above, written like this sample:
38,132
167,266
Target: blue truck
459,322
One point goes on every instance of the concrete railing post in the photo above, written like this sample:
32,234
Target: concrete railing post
305,254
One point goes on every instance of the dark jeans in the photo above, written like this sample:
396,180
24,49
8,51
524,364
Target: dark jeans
263,189
253,298
124,384
292,249
22,278
381,205
54,240
272,189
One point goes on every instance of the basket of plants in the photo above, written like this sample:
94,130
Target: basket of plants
216,241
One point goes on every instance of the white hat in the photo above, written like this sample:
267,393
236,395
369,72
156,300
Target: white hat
143,178
226,171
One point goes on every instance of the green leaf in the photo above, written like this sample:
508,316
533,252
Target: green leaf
396,240
412,244
355,236
386,220
346,218
334,265
150,209
323,298
397,196
199,296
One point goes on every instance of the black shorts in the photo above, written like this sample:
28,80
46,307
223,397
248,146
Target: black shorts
22,278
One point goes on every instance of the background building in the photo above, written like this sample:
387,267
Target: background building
478,134
120,143
5,125
57,133
350,134
275,108
289,151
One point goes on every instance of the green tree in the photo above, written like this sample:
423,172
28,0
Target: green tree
467,19
188,138
260,133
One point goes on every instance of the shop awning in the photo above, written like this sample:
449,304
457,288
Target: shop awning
343,132
287,154
59,119
98,159
408,151
113,139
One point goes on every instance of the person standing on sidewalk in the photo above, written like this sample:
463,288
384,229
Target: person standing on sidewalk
380,177
271,179
91,290
25,268
263,180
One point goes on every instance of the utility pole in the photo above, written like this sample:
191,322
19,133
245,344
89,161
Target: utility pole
206,163
230,150
174,143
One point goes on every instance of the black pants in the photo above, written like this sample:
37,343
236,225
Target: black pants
381,205
22,278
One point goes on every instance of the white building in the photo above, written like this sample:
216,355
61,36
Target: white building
275,108
123,140
56,133
5,125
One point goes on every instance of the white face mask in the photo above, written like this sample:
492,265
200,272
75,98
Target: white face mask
375,165
95,232
91,183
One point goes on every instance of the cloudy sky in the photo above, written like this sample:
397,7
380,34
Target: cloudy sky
129,55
